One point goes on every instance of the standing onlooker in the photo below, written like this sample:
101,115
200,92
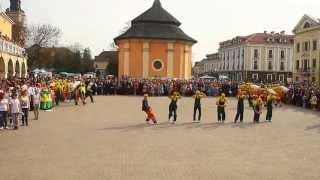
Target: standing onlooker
314,102
25,105
4,107
15,110
36,103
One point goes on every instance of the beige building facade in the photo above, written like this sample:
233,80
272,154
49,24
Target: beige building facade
307,50
257,57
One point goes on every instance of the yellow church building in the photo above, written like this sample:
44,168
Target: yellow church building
155,47
13,62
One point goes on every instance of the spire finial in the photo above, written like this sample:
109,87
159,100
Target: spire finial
157,3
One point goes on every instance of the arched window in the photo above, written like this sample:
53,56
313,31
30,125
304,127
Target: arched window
306,25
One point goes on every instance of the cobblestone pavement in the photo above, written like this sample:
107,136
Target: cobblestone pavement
109,140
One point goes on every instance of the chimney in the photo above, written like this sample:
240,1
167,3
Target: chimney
282,32
265,32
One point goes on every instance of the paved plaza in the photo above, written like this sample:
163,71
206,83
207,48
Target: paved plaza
109,140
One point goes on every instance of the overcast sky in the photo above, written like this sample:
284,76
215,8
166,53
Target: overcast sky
94,23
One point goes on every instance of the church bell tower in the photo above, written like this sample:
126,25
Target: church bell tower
19,18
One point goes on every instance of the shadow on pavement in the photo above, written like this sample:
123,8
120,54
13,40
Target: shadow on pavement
186,125
314,127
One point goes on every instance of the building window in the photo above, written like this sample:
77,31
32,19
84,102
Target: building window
282,54
315,43
255,76
157,65
282,66
269,77
242,55
297,65
306,46
306,25
256,54
281,77
313,79
255,65
314,63
306,65
298,47
270,54
297,78
270,65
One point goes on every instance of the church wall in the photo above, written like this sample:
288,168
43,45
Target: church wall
158,51
136,58
178,51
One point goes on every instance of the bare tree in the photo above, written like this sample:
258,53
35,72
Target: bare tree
113,46
45,35
76,47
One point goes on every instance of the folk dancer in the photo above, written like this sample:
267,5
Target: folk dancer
257,108
81,94
240,108
147,109
173,106
197,105
221,103
269,104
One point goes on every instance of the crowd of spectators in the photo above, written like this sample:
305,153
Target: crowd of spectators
303,95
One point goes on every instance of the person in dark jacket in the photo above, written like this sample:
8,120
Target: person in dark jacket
221,104
173,106
197,105
240,108
270,100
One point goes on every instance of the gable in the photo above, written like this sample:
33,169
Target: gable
305,23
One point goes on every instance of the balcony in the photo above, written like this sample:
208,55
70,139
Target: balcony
307,71
11,48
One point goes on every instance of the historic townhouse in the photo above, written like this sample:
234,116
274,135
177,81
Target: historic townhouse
257,57
211,64
307,51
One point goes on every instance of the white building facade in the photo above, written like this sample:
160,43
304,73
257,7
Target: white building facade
258,57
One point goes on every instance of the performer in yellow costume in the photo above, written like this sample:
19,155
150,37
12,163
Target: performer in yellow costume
173,106
221,104
197,105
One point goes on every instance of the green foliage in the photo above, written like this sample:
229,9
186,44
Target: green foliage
112,69
60,59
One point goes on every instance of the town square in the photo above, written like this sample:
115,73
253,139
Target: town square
82,143
148,90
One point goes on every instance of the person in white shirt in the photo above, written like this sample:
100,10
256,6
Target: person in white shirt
36,103
25,105
15,109
4,107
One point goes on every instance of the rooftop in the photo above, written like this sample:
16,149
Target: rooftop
155,23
